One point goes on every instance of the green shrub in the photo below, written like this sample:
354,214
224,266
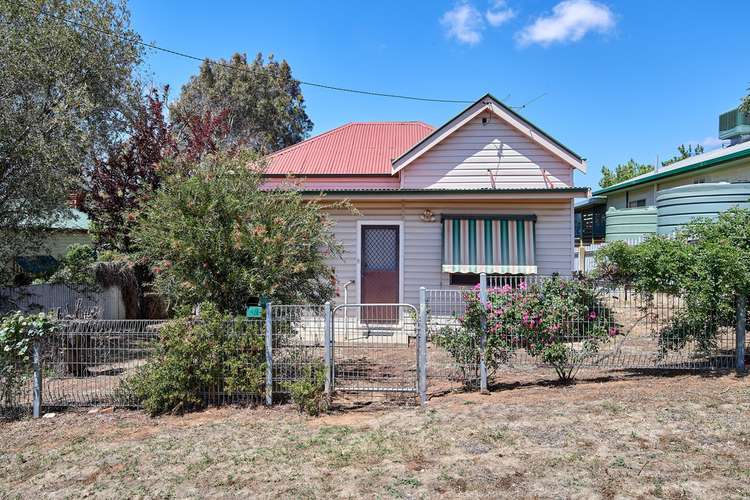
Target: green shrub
18,332
77,266
218,236
706,265
559,321
308,391
200,361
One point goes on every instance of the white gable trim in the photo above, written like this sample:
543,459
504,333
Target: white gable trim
484,104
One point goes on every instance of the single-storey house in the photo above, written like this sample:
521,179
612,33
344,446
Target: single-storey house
487,191
68,231
664,199
730,164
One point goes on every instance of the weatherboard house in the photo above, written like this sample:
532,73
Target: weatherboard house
487,191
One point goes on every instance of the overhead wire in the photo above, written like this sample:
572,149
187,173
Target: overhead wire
237,68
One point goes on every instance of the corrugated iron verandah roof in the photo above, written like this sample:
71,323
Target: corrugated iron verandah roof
360,148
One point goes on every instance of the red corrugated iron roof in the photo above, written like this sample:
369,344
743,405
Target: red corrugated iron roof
354,148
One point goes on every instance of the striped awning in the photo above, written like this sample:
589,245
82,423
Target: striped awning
489,244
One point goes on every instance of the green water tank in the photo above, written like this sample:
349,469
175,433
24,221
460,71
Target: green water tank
630,223
678,206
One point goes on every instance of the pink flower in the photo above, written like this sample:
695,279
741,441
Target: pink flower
523,285
613,331
592,315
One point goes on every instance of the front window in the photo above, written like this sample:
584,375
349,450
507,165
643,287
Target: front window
492,244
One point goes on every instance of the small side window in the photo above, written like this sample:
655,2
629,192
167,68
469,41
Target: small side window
464,279
637,203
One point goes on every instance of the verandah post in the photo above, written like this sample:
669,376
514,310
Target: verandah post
483,336
740,331
327,345
37,365
422,347
269,355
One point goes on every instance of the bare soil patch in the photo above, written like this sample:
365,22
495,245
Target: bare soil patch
622,435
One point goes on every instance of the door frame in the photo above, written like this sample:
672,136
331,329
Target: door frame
380,222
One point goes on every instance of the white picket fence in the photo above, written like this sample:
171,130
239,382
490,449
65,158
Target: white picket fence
108,302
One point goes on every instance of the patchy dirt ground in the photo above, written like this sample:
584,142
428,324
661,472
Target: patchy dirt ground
628,435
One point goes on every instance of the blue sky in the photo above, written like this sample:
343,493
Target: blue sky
622,78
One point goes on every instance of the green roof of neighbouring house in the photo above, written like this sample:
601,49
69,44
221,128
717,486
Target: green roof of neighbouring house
78,221
699,162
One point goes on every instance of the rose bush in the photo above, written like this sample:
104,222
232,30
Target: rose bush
560,321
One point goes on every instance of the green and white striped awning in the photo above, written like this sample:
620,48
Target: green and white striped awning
501,244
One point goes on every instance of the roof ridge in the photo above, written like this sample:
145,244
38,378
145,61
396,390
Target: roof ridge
311,139
346,125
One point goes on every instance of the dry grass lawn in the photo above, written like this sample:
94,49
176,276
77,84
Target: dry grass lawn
622,435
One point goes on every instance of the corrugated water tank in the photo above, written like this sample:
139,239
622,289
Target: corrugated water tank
630,223
678,206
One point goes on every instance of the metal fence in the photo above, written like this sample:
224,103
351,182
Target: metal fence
295,350
90,363
389,350
642,332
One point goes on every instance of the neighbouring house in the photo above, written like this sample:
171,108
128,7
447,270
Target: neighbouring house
61,235
701,185
487,191
590,220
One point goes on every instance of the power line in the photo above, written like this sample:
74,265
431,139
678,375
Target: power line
302,82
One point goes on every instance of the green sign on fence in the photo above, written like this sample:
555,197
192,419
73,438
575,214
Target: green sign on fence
253,312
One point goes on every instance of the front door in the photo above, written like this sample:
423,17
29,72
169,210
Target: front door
380,273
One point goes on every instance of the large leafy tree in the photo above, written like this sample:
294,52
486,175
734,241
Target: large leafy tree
266,110
118,185
623,172
67,75
215,236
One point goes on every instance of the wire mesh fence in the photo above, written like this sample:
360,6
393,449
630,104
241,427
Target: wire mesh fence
591,325
374,349
298,334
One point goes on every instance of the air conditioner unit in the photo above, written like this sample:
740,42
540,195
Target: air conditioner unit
735,126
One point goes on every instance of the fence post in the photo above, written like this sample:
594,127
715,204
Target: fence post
269,355
483,338
581,257
327,347
37,363
740,332
422,347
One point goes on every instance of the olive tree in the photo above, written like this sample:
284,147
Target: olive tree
66,80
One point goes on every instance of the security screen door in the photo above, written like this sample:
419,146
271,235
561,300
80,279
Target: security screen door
380,273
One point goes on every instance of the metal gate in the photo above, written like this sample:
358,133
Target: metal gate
374,348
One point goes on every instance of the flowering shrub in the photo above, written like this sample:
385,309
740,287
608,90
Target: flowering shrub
17,335
559,321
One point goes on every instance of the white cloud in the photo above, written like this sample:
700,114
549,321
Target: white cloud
569,21
499,13
713,143
464,23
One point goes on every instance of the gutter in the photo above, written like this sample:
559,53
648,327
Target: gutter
447,192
